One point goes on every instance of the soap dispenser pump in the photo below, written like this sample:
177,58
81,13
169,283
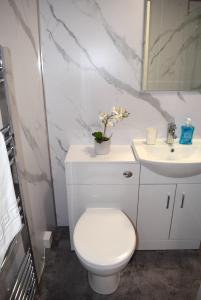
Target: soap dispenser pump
187,132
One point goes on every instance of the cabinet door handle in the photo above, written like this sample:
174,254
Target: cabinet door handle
182,201
168,202
128,174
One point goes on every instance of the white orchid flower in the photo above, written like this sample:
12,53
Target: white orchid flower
125,113
110,120
117,117
110,123
120,112
103,116
117,110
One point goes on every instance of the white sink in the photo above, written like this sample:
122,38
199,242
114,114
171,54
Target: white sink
171,161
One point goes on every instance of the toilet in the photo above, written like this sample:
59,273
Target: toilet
102,199
104,241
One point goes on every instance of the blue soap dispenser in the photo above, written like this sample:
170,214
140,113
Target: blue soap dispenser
187,132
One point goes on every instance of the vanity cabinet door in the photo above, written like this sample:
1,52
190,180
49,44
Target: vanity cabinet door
155,211
186,221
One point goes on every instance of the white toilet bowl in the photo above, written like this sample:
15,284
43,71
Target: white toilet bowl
104,241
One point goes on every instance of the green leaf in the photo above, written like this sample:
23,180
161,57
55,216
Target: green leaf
99,137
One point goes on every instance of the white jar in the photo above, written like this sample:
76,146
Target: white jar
151,136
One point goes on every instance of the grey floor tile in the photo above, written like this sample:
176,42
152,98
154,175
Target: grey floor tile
150,275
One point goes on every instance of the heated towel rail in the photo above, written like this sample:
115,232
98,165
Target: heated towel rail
9,141
25,285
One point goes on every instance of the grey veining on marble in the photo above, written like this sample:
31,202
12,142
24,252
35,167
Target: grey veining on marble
59,160
92,60
35,178
170,35
186,45
25,27
30,138
129,53
180,96
64,149
64,54
109,78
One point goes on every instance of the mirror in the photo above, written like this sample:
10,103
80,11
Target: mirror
172,50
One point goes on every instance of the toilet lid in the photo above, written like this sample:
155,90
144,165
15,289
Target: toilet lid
104,236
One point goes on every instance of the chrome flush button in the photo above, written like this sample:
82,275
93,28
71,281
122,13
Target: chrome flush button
128,174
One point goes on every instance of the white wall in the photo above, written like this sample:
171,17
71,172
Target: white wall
92,56
19,33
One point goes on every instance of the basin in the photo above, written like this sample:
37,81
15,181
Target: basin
170,160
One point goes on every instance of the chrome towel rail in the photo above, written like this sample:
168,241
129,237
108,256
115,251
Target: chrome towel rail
10,150
15,240
10,249
25,285
12,161
9,140
5,129
10,144
10,288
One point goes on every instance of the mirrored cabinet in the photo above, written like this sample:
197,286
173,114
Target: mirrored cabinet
172,49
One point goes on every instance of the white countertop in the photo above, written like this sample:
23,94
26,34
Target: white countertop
85,153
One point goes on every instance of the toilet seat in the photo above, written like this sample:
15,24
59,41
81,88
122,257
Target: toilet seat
104,237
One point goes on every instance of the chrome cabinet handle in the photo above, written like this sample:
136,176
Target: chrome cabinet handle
128,174
182,201
168,202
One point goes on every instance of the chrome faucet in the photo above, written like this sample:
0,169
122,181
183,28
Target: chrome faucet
171,133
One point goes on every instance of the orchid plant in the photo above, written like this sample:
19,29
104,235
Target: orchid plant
109,120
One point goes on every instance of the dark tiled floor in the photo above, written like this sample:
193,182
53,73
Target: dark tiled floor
157,275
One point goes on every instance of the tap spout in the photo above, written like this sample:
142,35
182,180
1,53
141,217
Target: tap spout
171,135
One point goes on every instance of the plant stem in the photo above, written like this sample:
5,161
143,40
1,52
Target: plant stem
106,122
105,126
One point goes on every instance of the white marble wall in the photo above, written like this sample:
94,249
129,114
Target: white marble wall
92,56
19,33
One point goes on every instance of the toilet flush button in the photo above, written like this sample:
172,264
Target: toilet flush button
128,174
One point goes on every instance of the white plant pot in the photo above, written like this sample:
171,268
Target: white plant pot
102,148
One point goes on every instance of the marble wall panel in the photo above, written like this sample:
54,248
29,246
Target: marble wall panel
92,60
19,33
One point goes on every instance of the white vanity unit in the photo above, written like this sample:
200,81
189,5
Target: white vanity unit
104,181
169,210
160,198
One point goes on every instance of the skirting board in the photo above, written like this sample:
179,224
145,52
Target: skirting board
47,239
168,244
